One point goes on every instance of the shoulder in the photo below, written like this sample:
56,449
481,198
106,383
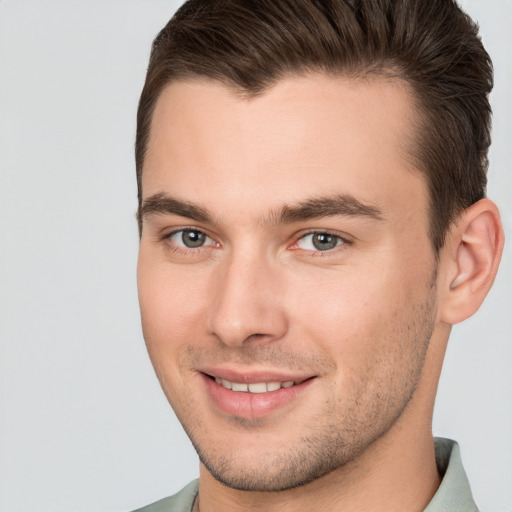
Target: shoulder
183,501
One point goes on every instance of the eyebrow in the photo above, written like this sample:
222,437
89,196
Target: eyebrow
319,207
314,208
162,203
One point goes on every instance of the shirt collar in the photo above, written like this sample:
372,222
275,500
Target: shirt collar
454,493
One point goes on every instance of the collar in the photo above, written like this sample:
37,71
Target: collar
454,493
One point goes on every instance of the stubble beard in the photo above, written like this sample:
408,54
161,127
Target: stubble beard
332,439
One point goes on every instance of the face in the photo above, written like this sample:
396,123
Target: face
286,277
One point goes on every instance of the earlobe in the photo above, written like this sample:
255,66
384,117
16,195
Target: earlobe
474,252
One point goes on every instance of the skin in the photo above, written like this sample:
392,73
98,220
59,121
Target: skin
362,321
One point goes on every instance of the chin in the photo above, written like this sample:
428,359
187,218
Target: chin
272,470
247,478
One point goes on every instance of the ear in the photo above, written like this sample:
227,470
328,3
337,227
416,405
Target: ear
473,252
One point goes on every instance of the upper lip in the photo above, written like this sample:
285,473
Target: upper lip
252,376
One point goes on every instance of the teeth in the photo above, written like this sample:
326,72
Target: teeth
261,387
257,387
273,386
226,384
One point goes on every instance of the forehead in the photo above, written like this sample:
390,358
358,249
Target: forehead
309,135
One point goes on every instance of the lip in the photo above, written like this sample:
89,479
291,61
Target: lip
252,376
248,405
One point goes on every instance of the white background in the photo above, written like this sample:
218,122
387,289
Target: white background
83,423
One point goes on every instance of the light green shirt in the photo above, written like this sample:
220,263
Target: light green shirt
453,495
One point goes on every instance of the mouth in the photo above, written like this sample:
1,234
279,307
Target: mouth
253,396
255,387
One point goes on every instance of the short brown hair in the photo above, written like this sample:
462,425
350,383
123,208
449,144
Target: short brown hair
432,45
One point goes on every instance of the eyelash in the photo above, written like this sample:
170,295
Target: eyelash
342,242
172,246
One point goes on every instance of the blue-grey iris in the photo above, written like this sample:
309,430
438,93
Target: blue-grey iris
324,241
193,238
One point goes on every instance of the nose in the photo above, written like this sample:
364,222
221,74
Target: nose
247,305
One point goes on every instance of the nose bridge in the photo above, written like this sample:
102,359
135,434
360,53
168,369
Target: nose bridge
246,299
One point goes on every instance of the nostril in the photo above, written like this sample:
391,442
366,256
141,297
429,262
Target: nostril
256,336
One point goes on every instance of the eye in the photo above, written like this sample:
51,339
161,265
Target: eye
319,242
190,239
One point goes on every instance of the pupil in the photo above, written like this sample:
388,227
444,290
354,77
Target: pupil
193,238
324,242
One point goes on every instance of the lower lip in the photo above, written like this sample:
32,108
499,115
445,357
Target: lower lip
251,405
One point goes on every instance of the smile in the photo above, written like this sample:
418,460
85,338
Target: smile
257,387
260,397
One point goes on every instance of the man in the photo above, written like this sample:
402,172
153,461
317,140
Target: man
313,221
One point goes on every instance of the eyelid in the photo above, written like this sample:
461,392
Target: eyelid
169,235
212,242
345,239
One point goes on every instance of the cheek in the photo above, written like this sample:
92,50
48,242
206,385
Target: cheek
171,313
377,337
356,316
172,307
